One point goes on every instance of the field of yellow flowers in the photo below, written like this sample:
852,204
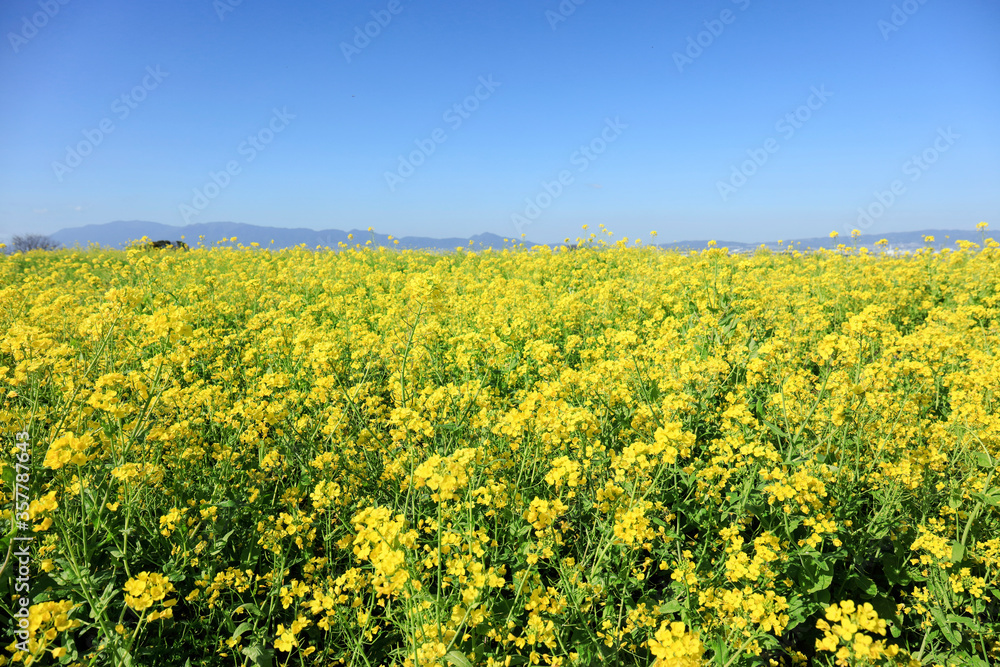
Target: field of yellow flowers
617,455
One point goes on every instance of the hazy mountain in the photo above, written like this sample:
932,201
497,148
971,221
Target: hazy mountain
896,240
118,234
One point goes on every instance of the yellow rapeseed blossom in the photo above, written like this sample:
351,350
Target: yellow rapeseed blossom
504,456
674,645
69,449
146,588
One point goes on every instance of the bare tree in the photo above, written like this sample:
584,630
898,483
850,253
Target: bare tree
32,242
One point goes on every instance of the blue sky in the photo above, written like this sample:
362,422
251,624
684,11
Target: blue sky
737,120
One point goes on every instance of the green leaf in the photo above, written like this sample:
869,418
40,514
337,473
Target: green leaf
895,570
886,608
817,577
862,583
110,592
983,460
251,607
822,597
672,607
220,544
122,656
952,636
797,613
957,552
458,658
721,648
775,430
992,499
243,627
258,655
964,620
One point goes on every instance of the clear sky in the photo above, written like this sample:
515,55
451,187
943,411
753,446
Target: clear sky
737,120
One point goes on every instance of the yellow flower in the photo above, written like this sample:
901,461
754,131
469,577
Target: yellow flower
286,639
145,589
542,513
674,646
68,448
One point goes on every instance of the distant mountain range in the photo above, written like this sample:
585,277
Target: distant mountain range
120,233
896,241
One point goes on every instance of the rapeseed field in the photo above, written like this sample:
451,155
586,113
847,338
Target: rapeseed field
617,456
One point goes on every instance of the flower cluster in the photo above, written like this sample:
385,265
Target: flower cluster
848,631
69,449
147,588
